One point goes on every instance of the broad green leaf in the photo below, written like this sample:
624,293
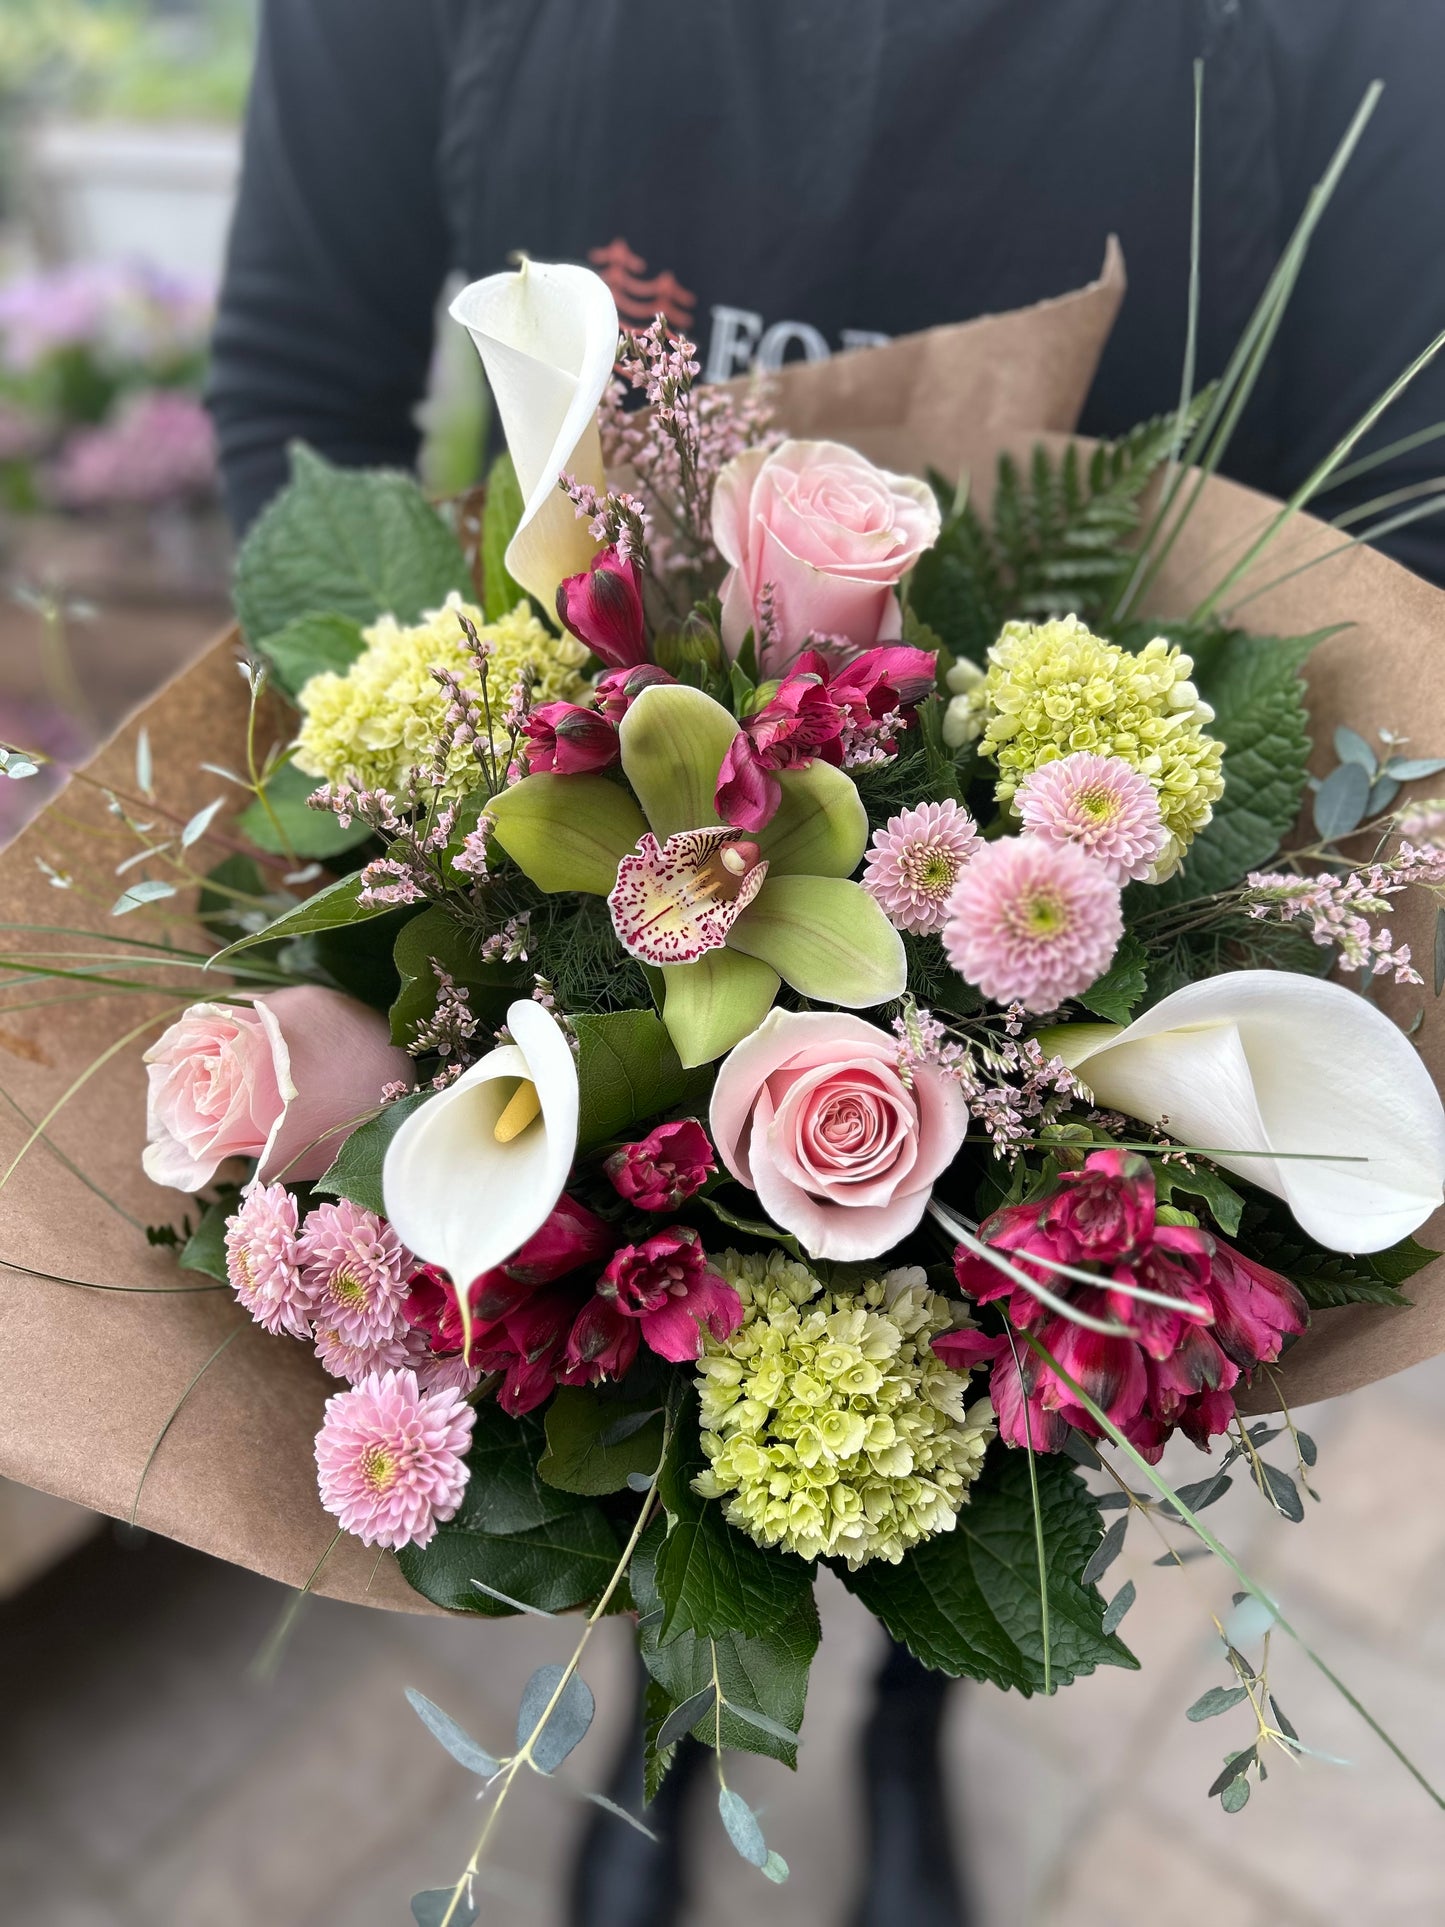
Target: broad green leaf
627,1071
205,1249
312,645
329,909
355,1171
1114,995
579,1455
821,826
349,542
310,833
567,832
437,934
1260,717
827,938
513,1532
710,1005
673,741
1327,1279
501,512
1204,1184
765,1671
710,1578
967,1602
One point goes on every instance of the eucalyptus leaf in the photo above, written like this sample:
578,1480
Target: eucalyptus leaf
1351,747
682,1719
1341,801
1107,1551
430,1909
1236,1794
566,1724
1285,1493
1219,1699
742,1826
1117,1607
1412,769
455,1738
1383,792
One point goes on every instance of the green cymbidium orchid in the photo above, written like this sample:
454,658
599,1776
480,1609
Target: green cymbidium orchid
723,916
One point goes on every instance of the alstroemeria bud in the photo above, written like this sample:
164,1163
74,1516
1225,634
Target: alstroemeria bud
619,689
603,608
660,1170
563,739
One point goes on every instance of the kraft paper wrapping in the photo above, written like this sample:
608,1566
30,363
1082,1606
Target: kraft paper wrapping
89,1377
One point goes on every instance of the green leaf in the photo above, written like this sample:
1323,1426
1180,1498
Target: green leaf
205,1249
627,1071
710,1578
567,1723
491,987
355,1172
1328,1279
742,1826
764,1672
754,1227
329,909
580,1456
452,1735
1205,1185
1341,801
349,542
312,645
513,1532
657,1709
967,1602
1219,1699
1114,995
501,512
434,1905
1260,717
310,833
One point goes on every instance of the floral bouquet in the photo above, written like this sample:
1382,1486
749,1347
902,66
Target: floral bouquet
759,1013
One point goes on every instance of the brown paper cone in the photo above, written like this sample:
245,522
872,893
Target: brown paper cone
88,1378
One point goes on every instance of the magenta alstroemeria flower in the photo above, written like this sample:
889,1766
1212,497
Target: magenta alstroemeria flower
662,1169
619,689
673,901
882,680
667,1285
603,608
799,721
565,739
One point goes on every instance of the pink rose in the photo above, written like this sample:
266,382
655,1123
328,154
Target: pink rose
284,1079
811,1113
831,533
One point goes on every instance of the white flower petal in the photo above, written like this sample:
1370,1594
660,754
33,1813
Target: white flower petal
1270,1061
547,336
456,1196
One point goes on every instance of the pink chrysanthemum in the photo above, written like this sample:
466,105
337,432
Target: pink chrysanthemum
263,1260
356,1362
1032,922
391,1459
916,859
353,1273
1101,804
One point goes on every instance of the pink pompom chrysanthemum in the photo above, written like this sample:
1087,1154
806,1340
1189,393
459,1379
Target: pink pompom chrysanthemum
353,1274
356,1362
1032,922
263,1260
1102,805
916,859
391,1459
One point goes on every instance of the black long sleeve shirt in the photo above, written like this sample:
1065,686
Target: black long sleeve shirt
792,177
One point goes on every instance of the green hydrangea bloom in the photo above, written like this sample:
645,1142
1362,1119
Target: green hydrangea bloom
1053,688
384,715
829,1426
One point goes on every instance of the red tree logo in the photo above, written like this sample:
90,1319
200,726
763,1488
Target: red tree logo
639,299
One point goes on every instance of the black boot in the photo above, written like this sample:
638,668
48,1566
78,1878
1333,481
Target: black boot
620,1878
910,1878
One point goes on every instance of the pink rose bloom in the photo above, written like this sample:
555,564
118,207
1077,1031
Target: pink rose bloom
284,1079
831,533
811,1113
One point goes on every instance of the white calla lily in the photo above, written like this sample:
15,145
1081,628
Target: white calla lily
547,336
1307,1073
476,1170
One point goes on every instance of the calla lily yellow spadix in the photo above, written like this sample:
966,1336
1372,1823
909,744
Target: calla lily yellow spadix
1332,1099
547,336
476,1170
805,924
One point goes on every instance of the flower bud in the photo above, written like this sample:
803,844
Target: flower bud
603,608
563,739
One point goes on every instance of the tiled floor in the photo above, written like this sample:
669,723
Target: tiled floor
149,1781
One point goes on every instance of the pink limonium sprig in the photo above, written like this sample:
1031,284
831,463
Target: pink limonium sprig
1012,1090
391,1459
1338,907
615,519
452,1024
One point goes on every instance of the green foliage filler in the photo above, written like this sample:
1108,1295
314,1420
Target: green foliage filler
967,1602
